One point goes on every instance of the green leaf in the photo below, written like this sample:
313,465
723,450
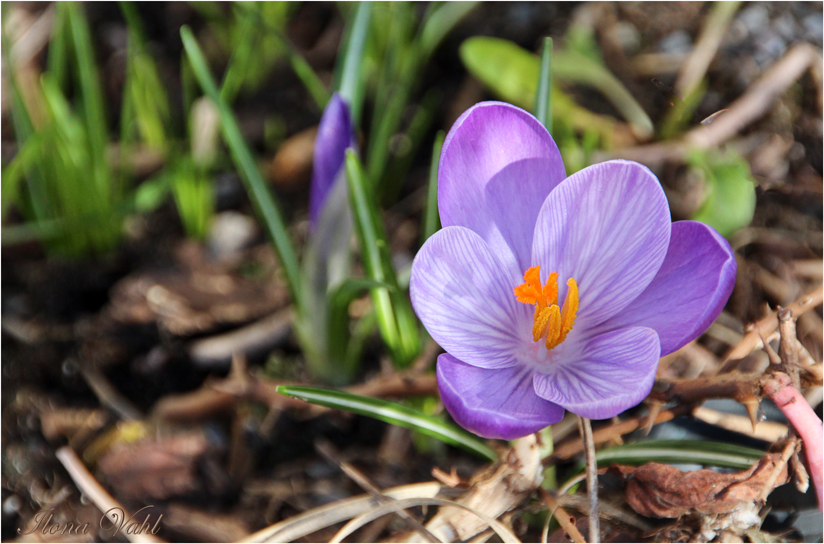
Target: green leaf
698,452
338,326
431,219
245,163
195,201
349,81
396,321
391,413
512,73
730,201
543,96
150,195
507,69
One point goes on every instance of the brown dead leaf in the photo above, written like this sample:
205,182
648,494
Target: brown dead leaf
156,468
662,491
292,166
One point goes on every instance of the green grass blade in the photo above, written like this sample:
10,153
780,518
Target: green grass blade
15,171
338,323
431,218
396,320
408,143
309,78
372,240
243,52
257,188
391,413
57,63
439,22
307,75
698,452
90,88
349,81
543,97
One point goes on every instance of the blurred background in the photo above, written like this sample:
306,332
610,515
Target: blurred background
157,276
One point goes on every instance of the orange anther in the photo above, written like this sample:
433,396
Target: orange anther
550,321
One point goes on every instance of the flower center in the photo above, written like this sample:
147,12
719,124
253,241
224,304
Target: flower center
551,322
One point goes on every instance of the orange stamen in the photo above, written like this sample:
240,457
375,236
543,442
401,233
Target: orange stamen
550,321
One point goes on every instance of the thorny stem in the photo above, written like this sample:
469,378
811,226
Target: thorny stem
786,348
585,427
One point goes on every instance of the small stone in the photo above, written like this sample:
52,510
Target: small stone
230,233
628,37
755,18
786,26
676,42
813,28
770,48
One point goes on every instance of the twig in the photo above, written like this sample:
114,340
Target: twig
713,32
734,385
326,449
605,434
108,395
608,510
758,98
310,521
504,533
769,431
90,487
749,107
786,347
564,519
592,480
766,325
786,454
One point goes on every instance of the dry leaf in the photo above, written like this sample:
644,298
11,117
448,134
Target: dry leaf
662,491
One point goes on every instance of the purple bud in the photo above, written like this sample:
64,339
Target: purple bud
335,136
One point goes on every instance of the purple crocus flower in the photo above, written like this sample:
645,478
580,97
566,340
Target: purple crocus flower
335,136
553,293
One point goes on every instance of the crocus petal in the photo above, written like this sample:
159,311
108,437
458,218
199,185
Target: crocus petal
607,226
465,300
493,403
690,289
497,166
615,371
335,136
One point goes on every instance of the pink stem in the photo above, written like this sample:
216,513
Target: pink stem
809,427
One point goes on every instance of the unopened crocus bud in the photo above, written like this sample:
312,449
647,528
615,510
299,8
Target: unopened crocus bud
335,136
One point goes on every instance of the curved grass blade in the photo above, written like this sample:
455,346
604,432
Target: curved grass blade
256,187
391,413
698,452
